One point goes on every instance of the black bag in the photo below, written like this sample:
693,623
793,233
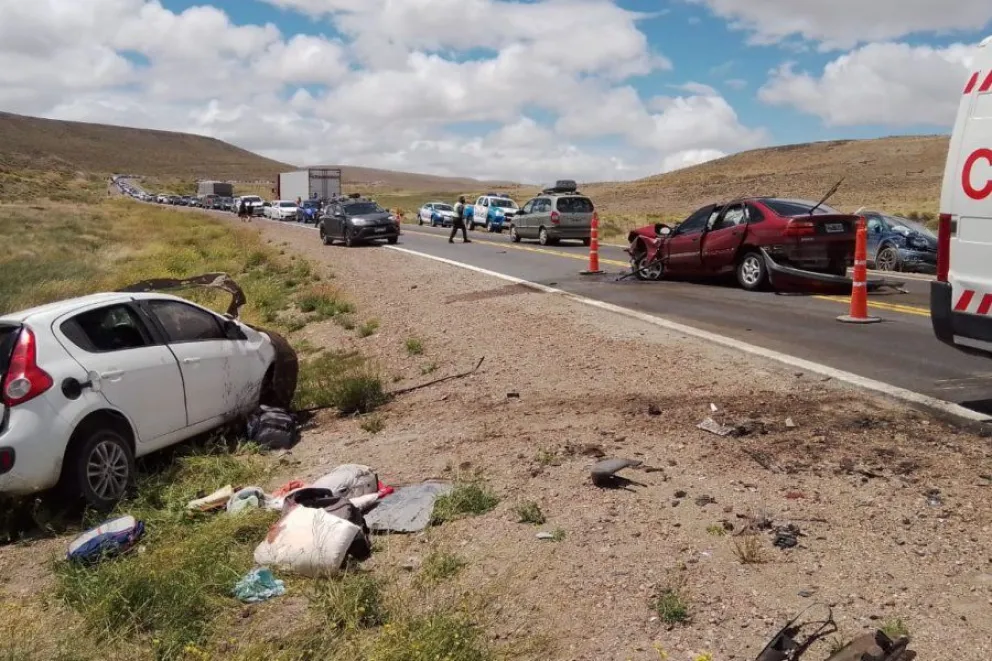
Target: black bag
273,428
324,499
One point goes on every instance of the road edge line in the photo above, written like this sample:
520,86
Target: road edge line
864,383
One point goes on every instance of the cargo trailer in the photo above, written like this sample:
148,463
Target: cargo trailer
309,184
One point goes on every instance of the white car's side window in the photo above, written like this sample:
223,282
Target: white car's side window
185,323
113,328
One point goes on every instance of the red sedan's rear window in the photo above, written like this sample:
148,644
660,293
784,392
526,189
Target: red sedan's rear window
788,208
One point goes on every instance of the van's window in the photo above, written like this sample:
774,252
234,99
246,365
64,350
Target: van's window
113,328
8,335
575,205
789,208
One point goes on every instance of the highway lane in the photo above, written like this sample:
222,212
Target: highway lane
901,350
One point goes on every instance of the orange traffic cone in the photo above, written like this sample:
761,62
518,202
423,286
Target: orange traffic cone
593,248
859,286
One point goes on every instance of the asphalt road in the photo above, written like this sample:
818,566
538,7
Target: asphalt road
900,351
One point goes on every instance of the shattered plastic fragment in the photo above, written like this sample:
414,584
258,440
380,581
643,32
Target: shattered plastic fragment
714,427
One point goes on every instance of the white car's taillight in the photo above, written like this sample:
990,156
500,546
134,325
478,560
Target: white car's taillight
24,380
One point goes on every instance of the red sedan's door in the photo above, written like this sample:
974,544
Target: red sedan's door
721,242
682,249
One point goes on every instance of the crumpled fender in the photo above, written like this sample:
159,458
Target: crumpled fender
786,277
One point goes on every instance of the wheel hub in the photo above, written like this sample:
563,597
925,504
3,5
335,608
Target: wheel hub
107,470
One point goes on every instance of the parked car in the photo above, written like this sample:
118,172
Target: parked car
281,210
308,211
900,244
225,203
356,221
491,210
436,213
560,212
91,383
735,238
254,202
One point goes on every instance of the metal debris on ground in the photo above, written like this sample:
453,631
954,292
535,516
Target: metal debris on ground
704,500
933,498
545,535
604,473
790,423
877,646
787,536
797,636
714,427
654,410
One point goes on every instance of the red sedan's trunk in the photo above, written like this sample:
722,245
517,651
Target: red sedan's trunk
819,243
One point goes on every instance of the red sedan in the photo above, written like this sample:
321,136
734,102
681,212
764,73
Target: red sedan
754,238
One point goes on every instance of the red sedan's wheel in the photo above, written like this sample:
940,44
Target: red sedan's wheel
751,272
643,270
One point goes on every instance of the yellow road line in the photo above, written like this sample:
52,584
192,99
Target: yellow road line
891,307
515,246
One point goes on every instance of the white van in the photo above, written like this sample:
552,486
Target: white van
961,296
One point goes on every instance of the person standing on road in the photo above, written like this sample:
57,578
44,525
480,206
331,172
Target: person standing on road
458,222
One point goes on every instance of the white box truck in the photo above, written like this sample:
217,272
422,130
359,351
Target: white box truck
311,183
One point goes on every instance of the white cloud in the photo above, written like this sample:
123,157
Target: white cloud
887,83
395,89
847,23
735,83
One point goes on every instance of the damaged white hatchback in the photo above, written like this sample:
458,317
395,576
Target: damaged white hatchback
90,383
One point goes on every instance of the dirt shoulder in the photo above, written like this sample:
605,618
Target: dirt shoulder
892,505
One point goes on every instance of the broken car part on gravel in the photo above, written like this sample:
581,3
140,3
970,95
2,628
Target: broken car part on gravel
604,473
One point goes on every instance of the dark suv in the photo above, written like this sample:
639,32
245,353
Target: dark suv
356,220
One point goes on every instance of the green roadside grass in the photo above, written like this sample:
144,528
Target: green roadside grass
170,599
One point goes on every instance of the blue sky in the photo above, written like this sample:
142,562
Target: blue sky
341,82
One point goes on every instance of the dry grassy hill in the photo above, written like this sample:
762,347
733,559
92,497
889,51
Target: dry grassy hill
897,174
45,144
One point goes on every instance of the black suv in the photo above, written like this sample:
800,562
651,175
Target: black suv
356,220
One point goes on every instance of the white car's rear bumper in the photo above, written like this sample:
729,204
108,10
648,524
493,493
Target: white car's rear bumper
38,437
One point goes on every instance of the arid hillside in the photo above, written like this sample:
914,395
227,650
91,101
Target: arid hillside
897,174
45,144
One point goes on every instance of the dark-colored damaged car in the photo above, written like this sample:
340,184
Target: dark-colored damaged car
354,221
900,244
755,239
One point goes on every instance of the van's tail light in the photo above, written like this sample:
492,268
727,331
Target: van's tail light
800,228
24,380
943,247
555,218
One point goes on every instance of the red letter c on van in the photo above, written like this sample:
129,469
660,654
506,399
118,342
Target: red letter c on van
969,164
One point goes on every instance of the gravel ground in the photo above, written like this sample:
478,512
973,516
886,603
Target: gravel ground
891,504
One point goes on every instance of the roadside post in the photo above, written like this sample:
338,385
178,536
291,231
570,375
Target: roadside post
593,248
859,287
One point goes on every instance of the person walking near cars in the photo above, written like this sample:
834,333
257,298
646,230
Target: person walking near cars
458,222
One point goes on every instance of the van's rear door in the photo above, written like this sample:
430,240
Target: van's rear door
967,192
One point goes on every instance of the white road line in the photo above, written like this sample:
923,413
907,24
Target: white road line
894,392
